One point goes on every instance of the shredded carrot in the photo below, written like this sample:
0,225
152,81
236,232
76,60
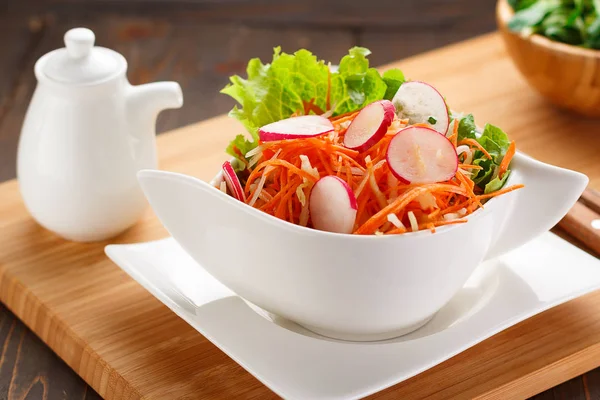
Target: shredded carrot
344,117
375,221
292,168
396,231
423,125
348,174
240,156
475,143
499,192
470,166
455,133
283,173
352,161
430,225
434,213
325,164
381,201
311,106
506,159
469,185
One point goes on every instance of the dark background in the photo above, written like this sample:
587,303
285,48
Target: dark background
200,43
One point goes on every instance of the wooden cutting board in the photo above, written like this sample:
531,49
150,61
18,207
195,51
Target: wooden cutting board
126,344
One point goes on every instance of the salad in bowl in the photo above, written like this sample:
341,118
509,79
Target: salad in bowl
351,151
358,204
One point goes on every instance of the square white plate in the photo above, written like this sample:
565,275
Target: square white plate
298,364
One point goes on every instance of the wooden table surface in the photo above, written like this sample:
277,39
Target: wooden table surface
199,44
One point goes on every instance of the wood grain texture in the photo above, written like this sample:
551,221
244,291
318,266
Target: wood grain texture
583,223
128,345
591,198
29,370
420,15
569,76
18,38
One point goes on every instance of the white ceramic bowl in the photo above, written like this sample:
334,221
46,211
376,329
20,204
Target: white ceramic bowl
349,286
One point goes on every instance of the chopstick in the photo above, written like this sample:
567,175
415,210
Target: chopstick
583,220
592,199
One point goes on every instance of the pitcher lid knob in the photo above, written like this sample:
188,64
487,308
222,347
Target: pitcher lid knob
79,42
81,62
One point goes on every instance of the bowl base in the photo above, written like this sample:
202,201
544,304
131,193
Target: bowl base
368,337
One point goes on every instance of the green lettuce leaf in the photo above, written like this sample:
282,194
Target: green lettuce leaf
495,141
393,78
514,4
496,183
593,34
275,91
521,4
355,62
567,21
467,128
484,175
239,146
355,85
533,15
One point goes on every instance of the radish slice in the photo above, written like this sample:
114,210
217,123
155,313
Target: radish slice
304,126
332,205
233,183
422,103
370,125
421,155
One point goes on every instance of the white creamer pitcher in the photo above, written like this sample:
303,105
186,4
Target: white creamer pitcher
86,134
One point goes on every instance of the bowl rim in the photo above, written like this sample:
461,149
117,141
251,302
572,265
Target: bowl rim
504,13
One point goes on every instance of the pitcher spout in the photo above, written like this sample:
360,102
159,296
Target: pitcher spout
144,103
147,100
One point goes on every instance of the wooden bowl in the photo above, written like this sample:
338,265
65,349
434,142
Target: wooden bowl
568,76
